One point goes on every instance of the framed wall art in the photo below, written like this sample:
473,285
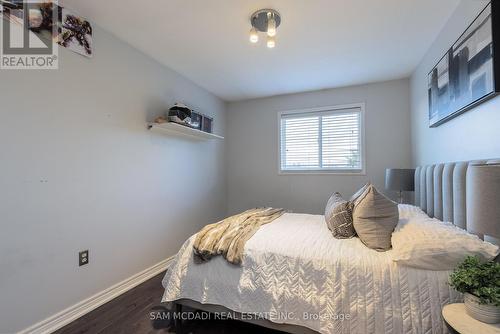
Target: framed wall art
469,73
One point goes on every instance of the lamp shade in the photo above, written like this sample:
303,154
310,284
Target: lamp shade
483,199
400,179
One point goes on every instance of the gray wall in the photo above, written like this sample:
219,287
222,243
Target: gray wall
472,135
252,146
79,170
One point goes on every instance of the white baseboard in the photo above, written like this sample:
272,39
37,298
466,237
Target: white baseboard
74,312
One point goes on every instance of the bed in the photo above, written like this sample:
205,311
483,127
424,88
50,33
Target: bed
297,278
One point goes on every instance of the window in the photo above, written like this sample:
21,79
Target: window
324,139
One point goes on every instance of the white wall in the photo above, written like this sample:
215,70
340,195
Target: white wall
79,170
472,135
252,147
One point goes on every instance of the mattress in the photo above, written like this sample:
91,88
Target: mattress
295,272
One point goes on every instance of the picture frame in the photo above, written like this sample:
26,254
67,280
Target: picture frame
469,73
196,120
207,124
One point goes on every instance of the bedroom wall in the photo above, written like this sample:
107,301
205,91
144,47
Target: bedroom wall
252,147
472,135
79,170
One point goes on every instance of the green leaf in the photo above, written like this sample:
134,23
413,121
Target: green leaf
481,279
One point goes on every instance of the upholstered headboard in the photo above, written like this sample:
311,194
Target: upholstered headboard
440,190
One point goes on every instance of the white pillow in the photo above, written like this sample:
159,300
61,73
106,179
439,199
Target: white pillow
422,242
407,210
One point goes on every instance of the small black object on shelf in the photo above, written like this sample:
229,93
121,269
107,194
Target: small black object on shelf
183,115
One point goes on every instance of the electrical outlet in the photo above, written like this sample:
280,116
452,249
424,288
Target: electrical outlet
83,258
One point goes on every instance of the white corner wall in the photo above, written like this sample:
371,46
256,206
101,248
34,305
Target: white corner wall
79,170
472,135
252,147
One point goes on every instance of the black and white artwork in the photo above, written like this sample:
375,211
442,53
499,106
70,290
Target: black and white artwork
75,33
465,75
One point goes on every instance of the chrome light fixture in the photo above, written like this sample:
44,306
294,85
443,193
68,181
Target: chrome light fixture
271,25
254,35
266,21
271,42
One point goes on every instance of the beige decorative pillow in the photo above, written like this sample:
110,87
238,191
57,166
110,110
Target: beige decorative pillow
374,218
358,193
338,217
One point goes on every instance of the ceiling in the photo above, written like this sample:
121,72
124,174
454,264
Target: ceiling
320,43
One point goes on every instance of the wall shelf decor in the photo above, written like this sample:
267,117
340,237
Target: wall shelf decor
469,73
181,130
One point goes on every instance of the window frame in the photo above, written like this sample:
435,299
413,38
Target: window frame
328,171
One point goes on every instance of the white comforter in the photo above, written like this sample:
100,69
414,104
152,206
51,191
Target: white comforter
295,272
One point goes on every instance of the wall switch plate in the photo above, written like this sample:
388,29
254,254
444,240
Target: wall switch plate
83,258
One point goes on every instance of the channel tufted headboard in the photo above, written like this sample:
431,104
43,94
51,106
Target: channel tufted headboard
440,190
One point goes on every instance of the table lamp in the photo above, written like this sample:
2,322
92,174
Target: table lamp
483,199
400,180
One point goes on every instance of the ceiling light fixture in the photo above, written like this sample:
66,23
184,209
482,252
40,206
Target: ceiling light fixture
266,21
271,25
271,42
254,36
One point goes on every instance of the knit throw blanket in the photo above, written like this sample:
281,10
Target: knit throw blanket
229,236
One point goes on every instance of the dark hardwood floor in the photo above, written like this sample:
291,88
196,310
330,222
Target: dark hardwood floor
132,312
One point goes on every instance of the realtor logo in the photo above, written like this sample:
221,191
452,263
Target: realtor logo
29,34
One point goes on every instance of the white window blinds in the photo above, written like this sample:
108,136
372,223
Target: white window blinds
325,140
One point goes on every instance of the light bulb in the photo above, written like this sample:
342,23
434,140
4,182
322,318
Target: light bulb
271,25
254,36
271,42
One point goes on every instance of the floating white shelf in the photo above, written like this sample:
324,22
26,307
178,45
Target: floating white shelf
177,129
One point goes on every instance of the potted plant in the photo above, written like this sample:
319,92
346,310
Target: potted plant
480,284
